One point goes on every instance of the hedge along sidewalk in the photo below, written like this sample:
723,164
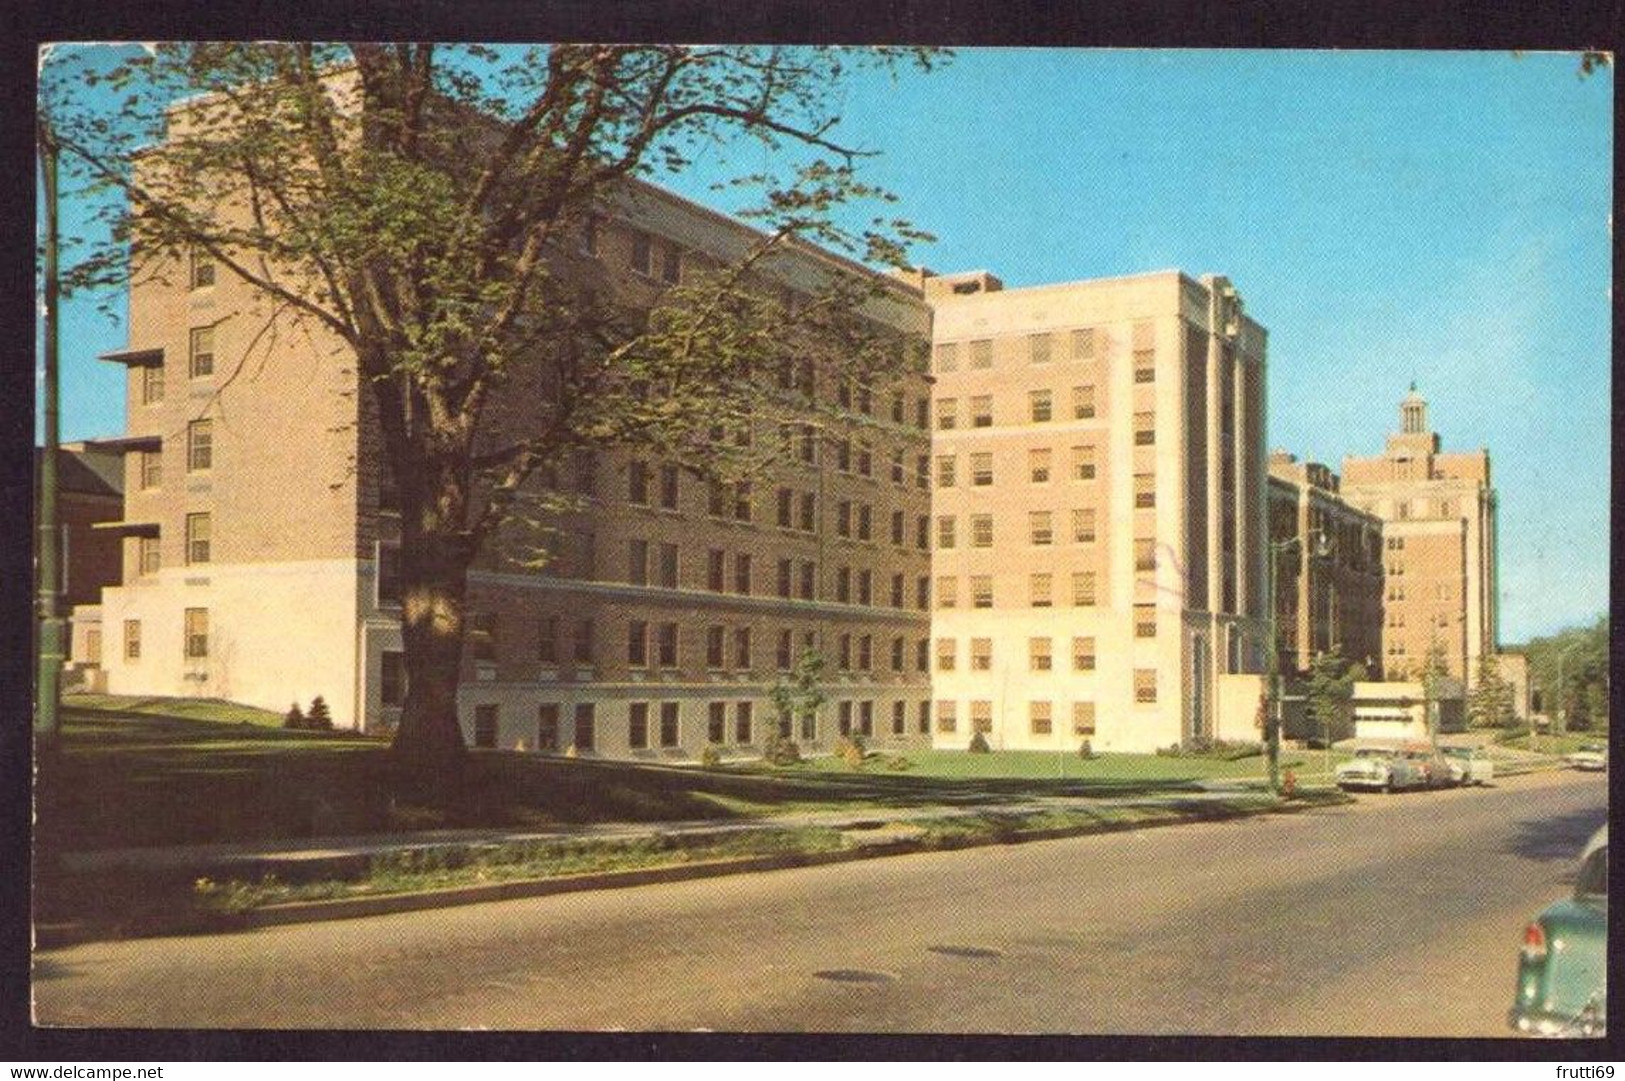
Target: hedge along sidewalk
410,879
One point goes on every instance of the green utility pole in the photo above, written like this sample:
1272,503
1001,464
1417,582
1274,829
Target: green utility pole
48,685
1272,704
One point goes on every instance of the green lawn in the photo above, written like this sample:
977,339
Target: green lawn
1567,743
136,772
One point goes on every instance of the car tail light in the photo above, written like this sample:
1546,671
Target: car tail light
1534,943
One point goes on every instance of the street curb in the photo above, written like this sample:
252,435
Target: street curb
343,908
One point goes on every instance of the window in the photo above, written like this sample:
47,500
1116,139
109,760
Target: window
199,446
637,725
1083,589
1083,718
1145,621
1038,464
866,586
582,648
637,483
482,636
946,531
981,411
485,726
1039,527
147,554
668,724
671,264
715,572
1041,405
1145,685
637,644
1083,462
898,527
844,718
843,518
637,562
668,487
1145,365
922,592
899,472
547,726
843,456
668,565
843,584
152,384
716,721
947,654
1145,554
866,460
713,647
197,538
866,718
922,655
947,413
899,408
981,716
200,354
899,717
809,443
981,530
809,578
866,516
196,635
897,591
786,578
923,717
742,574
866,653
643,253
981,591
1040,590
786,515
1083,654
1083,525
981,469
202,270
981,654
1038,348
1083,343
742,501
1038,718
547,640
1145,429
1039,657
742,722
132,640
151,469
898,654
945,470
666,645
742,647
948,357
809,511
1083,401
946,719
1145,490
585,725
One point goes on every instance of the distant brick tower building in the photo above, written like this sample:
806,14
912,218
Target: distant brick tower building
1439,555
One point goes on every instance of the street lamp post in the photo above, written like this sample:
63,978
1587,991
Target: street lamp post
1562,714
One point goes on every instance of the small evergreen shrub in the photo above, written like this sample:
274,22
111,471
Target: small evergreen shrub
1086,749
319,719
978,744
294,718
711,756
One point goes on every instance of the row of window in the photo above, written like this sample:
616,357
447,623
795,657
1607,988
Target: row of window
661,723
199,455
1041,407
197,549
1040,591
1081,344
1040,712
1040,528
1040,463
194,636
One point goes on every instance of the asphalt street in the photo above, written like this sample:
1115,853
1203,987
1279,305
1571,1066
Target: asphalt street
1396,916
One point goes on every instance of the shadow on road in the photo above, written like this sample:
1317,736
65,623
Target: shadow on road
1558,837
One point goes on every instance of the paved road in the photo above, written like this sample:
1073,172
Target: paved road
1396,916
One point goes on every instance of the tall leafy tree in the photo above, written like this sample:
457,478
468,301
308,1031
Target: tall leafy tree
1330,695
423,205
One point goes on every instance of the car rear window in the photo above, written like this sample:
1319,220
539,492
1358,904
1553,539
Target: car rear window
1593,880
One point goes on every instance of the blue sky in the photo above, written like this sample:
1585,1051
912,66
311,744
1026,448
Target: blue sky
1389,217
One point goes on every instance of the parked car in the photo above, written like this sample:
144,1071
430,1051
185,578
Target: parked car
1378,768
1433,767
1468,764
1592,756
1563,964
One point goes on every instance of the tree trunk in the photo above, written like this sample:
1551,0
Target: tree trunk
435,558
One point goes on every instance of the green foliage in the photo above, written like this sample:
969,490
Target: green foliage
1086,750
1330,698
319,718
295,718
424,205
711,756
978,744
1568,673
851,750
1490,702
